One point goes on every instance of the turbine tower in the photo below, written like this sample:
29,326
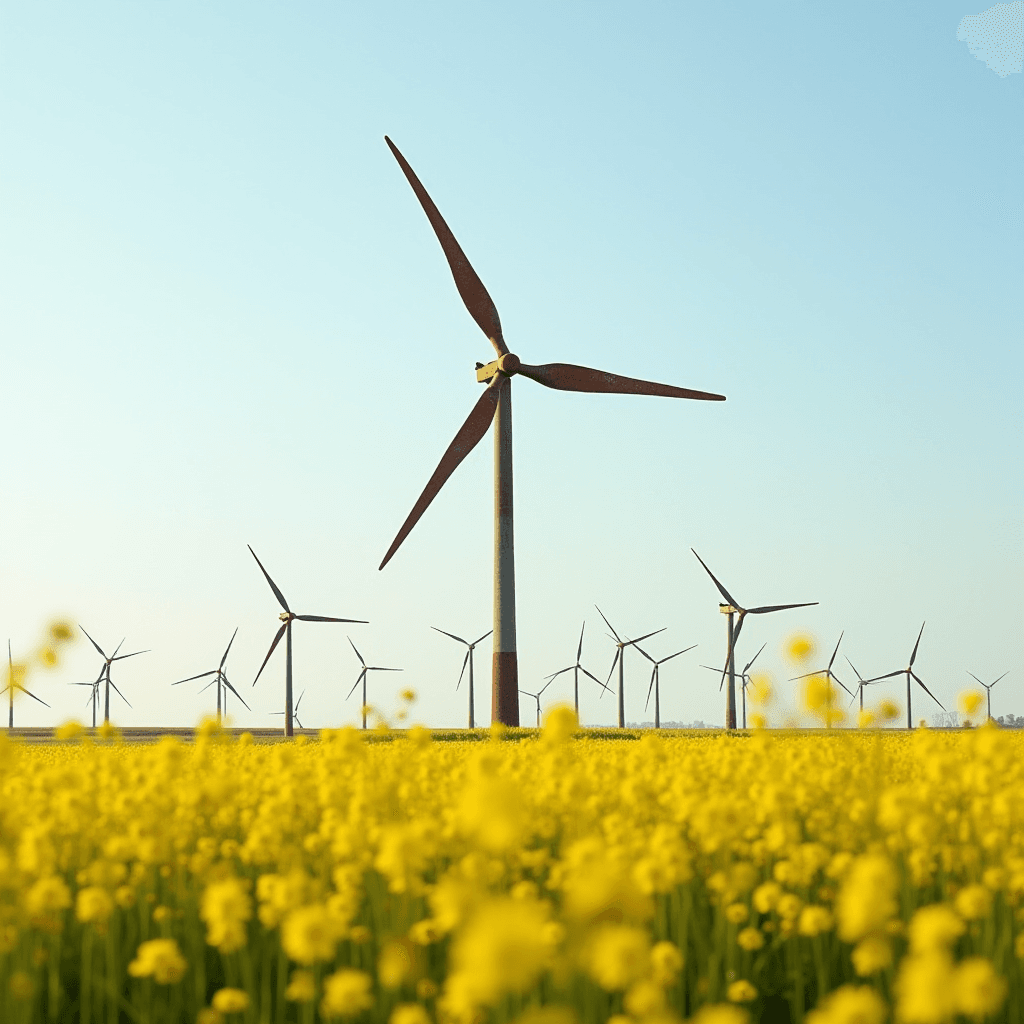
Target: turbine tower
732,608
620,660
744,679
470,647
576,670
495,405
909,672
287,617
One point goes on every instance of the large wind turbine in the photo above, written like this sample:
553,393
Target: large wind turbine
495,405
470,648
361,678
576,669
656,680
988,688
620,660
287,617
220,680
13,684
732,608
104,677
908,672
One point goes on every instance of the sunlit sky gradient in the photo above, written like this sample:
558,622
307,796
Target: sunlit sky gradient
225,320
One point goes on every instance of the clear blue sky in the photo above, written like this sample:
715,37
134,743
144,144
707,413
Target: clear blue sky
225,320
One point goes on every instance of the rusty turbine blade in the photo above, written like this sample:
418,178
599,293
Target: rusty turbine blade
469,436
569,377
480,305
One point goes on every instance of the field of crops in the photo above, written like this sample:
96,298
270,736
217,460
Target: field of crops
851,878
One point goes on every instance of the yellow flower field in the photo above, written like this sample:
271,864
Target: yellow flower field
843,878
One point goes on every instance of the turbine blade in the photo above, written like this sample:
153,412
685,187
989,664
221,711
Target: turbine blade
914,654
480,305
277,640
977,680
561,670
465,662
836,651
228,648
738,630
93,642
579,650
202,675
273,586
329,618
676,655
654,672
644,653
121,657
888,675
765,608
117,648
569,377
926,690
832,675
469,436
227,683
746,668
359,679
33,696
615,661
484,637
358,655
592,676
207,686
725,593
118,692
855,672
452,635
608,624
639,638
993,683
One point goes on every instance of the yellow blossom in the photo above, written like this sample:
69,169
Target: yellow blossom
346,994
230,1000
159,959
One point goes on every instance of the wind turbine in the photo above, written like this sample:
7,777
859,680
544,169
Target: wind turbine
361,678
620,660
470,647
576,670
295,711
988,688
104,677
495,405
861,683
744,679
827,672
656,681
287,617
13,685
732,608
536,696
220,679
908,672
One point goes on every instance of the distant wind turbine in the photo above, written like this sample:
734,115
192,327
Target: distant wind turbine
495,406
732,608
287,617
470,647
656,680
576,669
827,671
744,679
861,683
988,688
536,696
620,660
220,680
13,684
295,711
909,672
361,678
104,677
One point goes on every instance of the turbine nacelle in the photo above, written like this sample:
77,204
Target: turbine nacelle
507,365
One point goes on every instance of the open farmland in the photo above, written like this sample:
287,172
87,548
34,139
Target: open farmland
706,876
